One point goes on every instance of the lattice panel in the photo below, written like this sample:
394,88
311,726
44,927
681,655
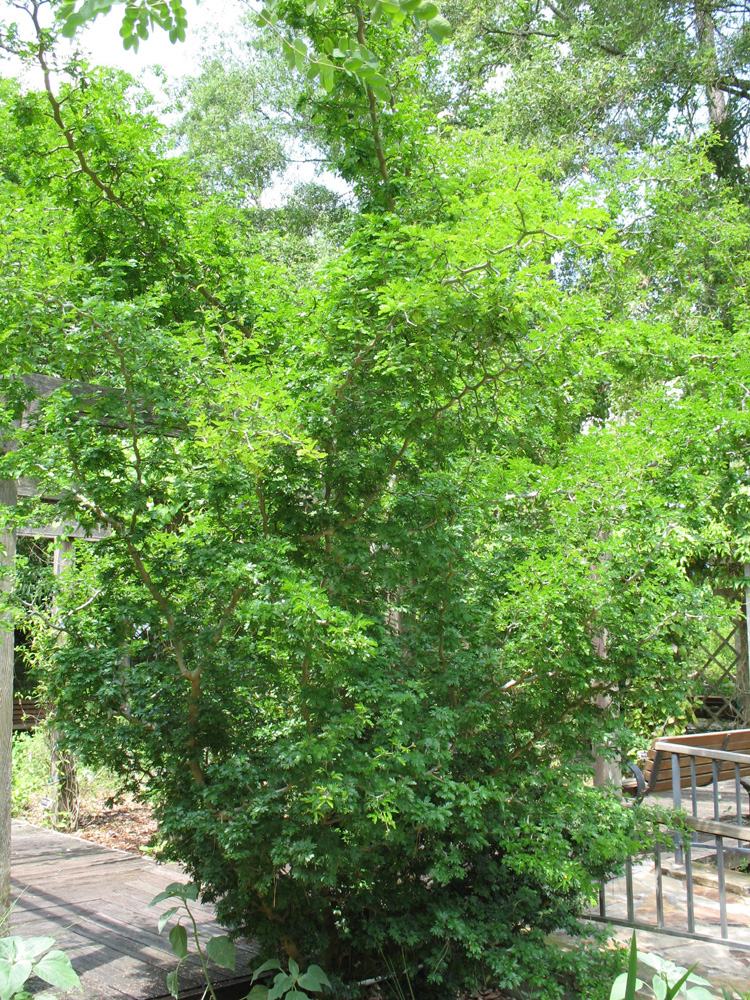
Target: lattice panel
716,678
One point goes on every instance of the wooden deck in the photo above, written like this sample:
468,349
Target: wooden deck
94,901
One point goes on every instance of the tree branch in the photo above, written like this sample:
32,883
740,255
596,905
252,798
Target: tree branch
376,134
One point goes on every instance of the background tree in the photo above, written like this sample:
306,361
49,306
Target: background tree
605,73
341,632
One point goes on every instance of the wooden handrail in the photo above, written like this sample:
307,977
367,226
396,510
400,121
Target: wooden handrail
717,829
680,748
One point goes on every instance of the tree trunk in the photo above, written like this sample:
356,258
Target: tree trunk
65,805
717,105
606,770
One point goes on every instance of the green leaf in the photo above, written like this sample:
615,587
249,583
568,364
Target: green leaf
289,54
699,993
378,84
177,890
258,993
314,979
300,54
675,988
178,940
12,977
268,966
327,46
172,983
293,968
426,11
328,77
439,27
281,984
166,917
625,986
221,951
296,995
31,948
659,987
311,7
55,968
619,987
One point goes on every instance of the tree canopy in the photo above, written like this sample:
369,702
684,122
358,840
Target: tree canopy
394,498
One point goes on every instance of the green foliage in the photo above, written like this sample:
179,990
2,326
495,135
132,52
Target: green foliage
292,985
139,18
345,54
669,982
219,949
373,522
24,958
31,770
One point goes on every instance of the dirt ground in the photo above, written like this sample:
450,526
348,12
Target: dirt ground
127,826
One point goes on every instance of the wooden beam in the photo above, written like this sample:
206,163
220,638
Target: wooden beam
8,498
717,829
64,529
44,385
693,751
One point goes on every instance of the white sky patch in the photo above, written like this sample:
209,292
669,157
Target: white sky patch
158,63
100,41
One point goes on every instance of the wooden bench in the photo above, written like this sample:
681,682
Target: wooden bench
729,751
27,714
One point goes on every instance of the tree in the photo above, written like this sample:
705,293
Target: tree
605,73
363,532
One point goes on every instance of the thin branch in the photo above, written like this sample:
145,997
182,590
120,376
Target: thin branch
376,134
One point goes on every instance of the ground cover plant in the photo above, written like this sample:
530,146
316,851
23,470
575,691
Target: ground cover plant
403,521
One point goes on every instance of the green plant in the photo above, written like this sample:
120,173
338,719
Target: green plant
292,985
219,949
21,958
670,981
31,770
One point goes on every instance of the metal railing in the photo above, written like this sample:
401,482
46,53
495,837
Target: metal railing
710,837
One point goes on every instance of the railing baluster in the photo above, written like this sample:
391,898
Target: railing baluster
677,803
689,887
659,887
693,788
629,890
738,794
602,900
715,770
722,886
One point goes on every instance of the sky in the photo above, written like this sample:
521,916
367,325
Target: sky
207,21
102,43
207,18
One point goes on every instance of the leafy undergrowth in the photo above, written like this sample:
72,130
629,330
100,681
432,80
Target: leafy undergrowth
106,816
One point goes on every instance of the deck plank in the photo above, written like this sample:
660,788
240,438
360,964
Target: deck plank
94,901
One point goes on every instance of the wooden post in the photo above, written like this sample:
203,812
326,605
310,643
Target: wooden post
8,498
62,763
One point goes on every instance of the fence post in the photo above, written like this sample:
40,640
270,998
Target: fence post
62,763
8,498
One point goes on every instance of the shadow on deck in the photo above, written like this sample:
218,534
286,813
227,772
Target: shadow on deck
94,901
